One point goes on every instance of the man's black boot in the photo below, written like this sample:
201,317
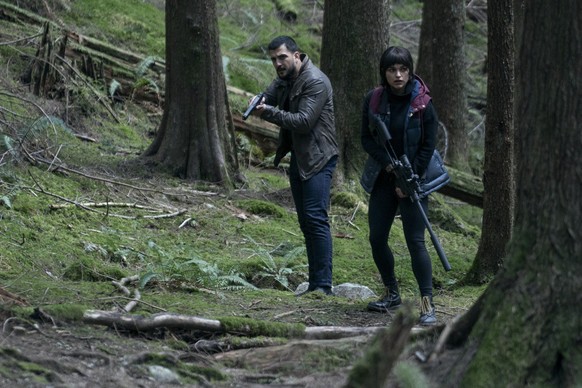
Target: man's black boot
389,300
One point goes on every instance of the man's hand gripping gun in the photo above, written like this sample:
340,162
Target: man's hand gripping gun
256,101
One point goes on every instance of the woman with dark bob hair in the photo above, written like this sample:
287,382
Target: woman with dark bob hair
403,104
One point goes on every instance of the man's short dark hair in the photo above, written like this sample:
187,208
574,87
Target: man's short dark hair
283,40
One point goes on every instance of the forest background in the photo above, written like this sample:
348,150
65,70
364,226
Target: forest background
80,209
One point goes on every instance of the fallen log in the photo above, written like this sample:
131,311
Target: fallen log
464,187
239,326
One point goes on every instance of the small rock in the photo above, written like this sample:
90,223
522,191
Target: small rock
163,375
346,290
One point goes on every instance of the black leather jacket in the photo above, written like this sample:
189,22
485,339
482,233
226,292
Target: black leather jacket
307,124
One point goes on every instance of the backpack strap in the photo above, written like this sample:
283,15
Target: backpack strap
375,100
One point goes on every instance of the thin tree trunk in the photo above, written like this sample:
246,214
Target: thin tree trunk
498,175
426,44
448,76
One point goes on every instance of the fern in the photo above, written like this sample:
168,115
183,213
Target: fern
5,201
144,65
280,273
194,269
114,86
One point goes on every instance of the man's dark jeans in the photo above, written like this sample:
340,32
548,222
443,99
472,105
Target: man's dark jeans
311,199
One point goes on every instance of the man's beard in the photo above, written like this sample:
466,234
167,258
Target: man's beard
290,75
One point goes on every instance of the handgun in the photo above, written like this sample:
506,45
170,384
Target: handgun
258,99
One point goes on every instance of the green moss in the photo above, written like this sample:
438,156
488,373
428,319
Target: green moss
91,270
38,373
345,199
262,208
443,215
66,312
253,327
130,24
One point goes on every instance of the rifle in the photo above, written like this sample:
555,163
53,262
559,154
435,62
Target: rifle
253,106
407,181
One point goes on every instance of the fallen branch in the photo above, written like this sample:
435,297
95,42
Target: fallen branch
188,322
107,214
185,222
106,204
136,294
68,169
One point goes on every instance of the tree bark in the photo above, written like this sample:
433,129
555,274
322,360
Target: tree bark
426,44
196,139
528,332
448,76
355,33
498,174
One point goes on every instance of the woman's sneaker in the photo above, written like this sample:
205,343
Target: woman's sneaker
427,312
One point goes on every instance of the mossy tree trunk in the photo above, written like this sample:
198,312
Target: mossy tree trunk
498,174
529,329
196,136
355,33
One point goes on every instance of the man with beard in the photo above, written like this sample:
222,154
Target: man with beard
300,102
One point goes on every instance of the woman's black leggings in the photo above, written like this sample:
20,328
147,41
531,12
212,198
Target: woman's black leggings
381,213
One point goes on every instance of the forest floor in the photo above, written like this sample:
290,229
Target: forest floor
74,354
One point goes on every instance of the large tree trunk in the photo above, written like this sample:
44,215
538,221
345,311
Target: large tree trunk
448,76
529,328
498,175
355,33
196,137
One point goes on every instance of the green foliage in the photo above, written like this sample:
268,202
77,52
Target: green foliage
443,215
194,271
281,271
133,24
250,74
114,87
